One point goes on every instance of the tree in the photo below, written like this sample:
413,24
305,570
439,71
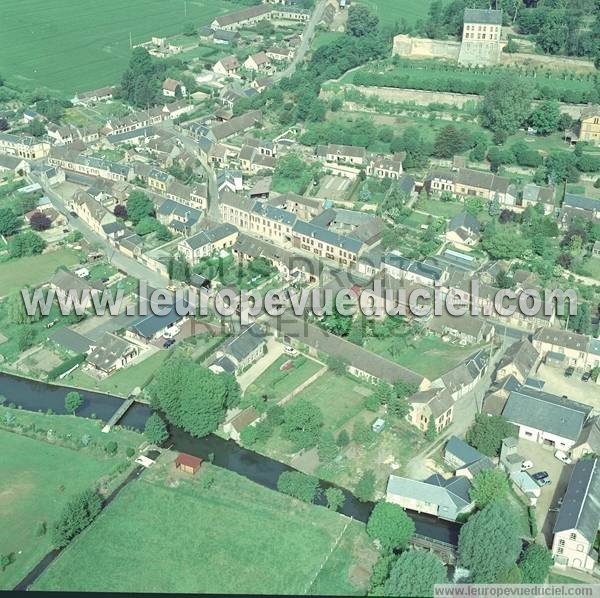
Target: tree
37,128
6,560
488,485
449,142
389,524
178,268
142,81
545,117
535,564
487,433
147,225
343,439
299,485
361,21
489,542
155,429
73,401
302,423
414,574
327,449
120,211
189,29
27,243
191,396
139,205
362,433
506,104
365,486
335,498
40,221
337,365
384,392
431,432
9,221
78,513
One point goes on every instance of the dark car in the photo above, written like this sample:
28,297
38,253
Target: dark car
169,343
586,376
569,371
540,475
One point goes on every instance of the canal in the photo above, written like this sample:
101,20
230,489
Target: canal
38,396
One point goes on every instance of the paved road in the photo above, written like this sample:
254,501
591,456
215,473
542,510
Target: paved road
307,37
127,264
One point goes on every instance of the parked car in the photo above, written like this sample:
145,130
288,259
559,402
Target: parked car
526,465
562,456
540,475
586,376
569,371
172,332
544,482
289,350
169,343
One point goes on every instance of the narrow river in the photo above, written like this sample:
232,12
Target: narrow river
36,396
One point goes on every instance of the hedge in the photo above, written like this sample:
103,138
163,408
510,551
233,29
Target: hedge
65,366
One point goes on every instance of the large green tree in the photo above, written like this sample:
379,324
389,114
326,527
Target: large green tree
139,206
141,82
24,244
535,564
361,21
487,433
489,542
9,221
389,524
302,423
73,401
489,485
545,117
191,396
299,485
155,429
78,513
506,104
415,573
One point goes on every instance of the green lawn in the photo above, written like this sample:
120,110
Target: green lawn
558,578
33,270
71,48
441,209
428,355
591,266
323,38
277,384
36,480
235,537
123,381
392,11
340,398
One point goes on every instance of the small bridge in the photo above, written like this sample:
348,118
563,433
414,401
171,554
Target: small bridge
446,552
117,415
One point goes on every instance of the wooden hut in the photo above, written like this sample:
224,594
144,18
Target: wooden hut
188,463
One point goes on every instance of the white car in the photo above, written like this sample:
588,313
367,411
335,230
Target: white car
526,465
562,456
171,332
290,350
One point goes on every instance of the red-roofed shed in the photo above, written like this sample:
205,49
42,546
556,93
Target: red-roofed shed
188,463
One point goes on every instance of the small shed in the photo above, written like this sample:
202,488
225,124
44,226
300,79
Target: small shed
378,425
188,463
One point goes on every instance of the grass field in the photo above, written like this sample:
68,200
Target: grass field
392,11
428,355
34,270
36,480
277,384
340,398
235,537
123,381
70,48
441,209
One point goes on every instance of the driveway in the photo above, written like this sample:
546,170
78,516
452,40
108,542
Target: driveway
274,350
544,460
573,387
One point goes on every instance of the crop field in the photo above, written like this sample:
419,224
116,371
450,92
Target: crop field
69,47
234,537
392,11
36,480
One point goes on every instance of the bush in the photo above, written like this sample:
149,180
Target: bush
372,403
130,452
111,447
65,366
78,513
299,485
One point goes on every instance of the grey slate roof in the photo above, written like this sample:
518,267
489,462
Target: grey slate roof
69,339
581,202
148,326
211,235
483,16
275,214
580,509
462,451
465,220
327,236
546,412
109,351
246,342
